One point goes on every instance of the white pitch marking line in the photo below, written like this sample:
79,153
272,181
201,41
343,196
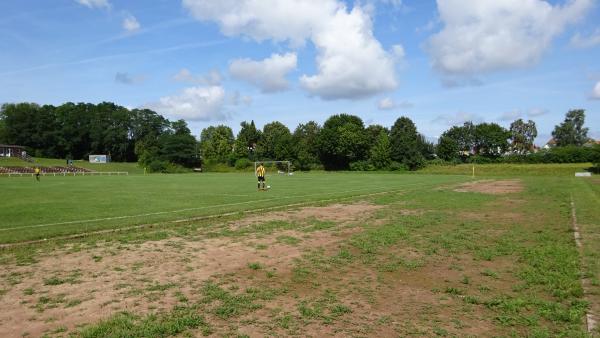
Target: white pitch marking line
590,317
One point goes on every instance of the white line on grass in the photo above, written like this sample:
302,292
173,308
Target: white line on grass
184,210
590,317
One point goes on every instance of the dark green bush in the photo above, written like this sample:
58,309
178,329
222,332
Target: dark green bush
242,163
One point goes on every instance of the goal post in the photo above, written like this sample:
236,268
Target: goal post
281,167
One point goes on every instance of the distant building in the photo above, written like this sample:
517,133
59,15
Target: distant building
550,144
8,150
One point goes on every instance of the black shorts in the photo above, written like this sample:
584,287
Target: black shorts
261,178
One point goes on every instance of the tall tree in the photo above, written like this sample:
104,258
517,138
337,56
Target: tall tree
571,131
406,144
178,145
447,148
216,143
276,142
2,131
342,141
491,139
463,136
247,140
381,151
522,136
305,141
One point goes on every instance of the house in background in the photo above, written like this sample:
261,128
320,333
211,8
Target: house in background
7,150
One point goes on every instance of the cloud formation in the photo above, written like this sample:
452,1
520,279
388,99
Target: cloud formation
269,74
94,3
596,92
351,63
488,35
194,104
130,23
457,119
212,78
389,104
580,41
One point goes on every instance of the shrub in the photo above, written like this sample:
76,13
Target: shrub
397,166
157,166
242,163
362,166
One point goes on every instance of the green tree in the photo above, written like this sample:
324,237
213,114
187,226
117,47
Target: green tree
571,131
178,145
522,136
406,144
305,141
246,141
447,148
463,136
342,140
276,142
491,140
2,131
381,151
216,143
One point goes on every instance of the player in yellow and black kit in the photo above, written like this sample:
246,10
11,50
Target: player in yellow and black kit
260,172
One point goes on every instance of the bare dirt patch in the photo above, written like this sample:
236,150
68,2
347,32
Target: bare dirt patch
339,213
493,187
67,288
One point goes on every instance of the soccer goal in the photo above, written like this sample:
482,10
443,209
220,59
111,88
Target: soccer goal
279,167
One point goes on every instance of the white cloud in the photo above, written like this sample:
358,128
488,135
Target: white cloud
580,41
130,23
212,78
194,104
394,3
351,63
596,92
488,35
389,104
236,99
268,74
386,104
94,3
280,20
457,119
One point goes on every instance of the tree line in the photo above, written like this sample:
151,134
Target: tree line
74,131
343,142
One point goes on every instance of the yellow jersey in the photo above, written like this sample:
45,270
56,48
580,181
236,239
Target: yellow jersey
260,171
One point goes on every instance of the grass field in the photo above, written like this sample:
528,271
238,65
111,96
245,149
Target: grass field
131,168
366,254
59,206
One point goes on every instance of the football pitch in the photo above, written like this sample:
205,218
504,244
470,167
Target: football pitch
319,254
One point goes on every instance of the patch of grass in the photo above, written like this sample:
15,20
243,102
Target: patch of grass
255,266
290,240
125,324
71,278
229,304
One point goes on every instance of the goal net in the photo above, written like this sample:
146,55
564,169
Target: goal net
278,167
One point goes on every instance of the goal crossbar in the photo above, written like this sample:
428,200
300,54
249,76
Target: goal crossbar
286,165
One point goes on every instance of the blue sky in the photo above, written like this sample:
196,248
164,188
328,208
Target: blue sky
222,62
